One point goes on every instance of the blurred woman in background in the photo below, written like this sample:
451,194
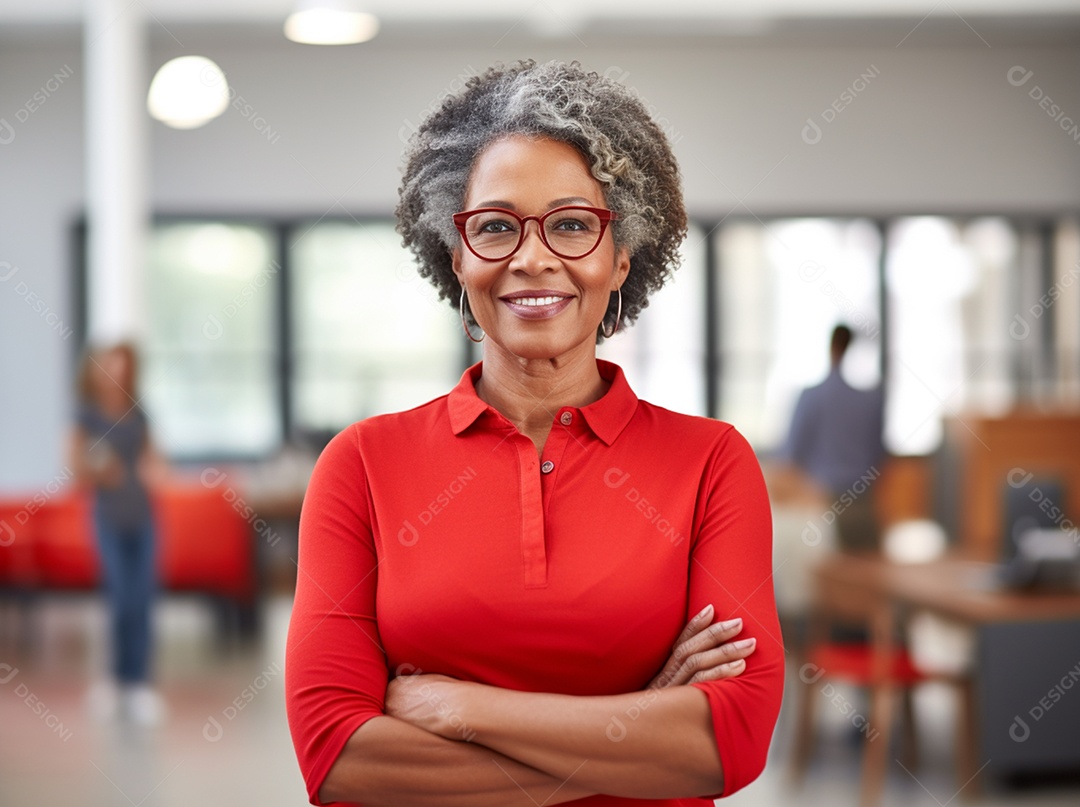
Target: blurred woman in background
113,456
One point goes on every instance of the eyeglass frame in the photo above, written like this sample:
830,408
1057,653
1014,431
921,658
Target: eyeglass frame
605,216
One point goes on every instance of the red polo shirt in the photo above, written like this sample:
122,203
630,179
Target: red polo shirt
437,540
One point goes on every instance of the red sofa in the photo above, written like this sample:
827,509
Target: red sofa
205,545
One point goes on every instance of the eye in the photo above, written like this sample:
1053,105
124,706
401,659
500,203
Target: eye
571,225
496,226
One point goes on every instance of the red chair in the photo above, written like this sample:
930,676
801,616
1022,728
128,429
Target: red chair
882,673
205,543
63,551
16,540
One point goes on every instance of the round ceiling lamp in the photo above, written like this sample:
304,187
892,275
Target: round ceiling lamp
188,92
330,22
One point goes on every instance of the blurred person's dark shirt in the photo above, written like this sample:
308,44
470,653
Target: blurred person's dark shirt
128,504
836,432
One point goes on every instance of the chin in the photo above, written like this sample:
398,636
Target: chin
537,346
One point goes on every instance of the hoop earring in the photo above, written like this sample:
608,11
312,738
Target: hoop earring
618,316
464,323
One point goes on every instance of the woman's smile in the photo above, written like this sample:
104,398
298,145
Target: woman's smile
538,304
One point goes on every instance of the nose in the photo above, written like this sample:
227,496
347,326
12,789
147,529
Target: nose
533,254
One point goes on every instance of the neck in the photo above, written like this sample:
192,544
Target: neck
528,392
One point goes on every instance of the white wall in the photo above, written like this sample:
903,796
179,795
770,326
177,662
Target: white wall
935,129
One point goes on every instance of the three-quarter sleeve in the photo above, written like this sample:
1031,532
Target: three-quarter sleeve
335,666
731,567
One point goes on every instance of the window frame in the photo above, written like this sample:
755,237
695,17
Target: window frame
1045,225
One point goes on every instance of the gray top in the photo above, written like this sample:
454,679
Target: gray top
836,432
128,505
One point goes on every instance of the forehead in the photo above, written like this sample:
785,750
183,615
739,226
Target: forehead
528,173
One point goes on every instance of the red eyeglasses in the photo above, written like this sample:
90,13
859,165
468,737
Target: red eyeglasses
494,234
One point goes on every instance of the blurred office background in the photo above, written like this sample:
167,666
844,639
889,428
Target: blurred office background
911,169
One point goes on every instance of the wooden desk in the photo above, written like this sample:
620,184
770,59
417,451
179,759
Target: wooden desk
1030,638
954,588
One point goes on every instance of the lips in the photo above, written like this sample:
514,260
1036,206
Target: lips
534,301
538,304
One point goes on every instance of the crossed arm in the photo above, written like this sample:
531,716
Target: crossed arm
448,742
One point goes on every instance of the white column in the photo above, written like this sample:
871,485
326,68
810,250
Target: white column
116,171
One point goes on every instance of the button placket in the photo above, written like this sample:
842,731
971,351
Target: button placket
533,550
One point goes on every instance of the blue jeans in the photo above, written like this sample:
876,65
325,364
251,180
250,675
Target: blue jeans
129,577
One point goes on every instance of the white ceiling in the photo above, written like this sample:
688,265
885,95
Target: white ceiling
571,11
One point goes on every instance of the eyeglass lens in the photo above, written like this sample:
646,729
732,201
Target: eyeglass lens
569,232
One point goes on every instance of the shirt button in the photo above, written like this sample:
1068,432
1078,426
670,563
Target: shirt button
547,467
566,418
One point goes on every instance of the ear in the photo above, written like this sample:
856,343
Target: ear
455,263
622,268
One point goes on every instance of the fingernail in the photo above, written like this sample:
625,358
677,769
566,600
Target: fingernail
734,663
731,623
704,611
744,643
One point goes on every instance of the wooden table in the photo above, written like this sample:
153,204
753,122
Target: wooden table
966,592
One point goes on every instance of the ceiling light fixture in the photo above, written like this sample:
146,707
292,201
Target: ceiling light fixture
330,22
188,92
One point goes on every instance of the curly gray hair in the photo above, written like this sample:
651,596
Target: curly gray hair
627,152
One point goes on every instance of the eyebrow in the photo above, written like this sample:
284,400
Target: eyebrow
567,200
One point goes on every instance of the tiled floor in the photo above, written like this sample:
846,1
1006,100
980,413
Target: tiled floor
210,752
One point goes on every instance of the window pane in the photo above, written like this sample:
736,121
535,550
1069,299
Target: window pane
1065,297
370,334
950,344
783,286
209,372
662,353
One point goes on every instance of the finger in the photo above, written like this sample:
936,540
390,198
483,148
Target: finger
704,661
704,640
714,636
696,624
729,670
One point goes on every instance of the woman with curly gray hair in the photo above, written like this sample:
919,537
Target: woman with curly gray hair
508,594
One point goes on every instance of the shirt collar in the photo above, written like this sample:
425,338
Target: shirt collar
606,417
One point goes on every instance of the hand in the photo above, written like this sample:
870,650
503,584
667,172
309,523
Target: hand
429,701
112,475
703,652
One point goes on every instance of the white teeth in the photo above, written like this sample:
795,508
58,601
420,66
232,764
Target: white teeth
535,301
